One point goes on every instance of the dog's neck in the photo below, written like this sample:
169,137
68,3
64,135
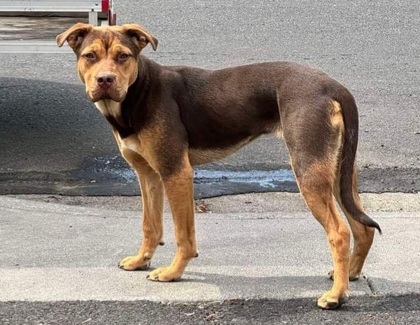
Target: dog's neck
139,90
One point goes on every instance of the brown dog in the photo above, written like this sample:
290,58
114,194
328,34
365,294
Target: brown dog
166,119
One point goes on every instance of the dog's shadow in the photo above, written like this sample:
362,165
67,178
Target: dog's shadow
51,131
48,124
369,295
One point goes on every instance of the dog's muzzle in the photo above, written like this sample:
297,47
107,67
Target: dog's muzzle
106,88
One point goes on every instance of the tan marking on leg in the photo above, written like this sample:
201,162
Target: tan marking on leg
152,197
179,191
316,188
363,235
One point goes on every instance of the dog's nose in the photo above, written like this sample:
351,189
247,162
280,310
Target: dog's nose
105,80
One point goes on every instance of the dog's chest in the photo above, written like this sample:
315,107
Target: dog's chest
131,143
130,147
108,107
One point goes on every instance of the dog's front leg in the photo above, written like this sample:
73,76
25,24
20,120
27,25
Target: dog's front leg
152,198
179,191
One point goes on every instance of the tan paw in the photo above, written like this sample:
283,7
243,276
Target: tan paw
332,301
352,277
132,263
164,274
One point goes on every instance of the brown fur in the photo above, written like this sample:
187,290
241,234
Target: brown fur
166,119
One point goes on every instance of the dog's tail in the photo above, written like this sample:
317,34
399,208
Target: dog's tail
345,189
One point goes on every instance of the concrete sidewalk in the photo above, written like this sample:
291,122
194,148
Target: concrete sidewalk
251,246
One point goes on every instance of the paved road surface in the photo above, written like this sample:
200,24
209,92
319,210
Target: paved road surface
263,258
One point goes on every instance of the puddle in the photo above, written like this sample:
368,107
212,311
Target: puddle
211,183
265,178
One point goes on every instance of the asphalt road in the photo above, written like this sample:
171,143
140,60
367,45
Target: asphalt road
53,140
364,311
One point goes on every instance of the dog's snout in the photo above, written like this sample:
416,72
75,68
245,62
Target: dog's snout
105,80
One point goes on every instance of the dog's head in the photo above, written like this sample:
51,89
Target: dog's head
107,57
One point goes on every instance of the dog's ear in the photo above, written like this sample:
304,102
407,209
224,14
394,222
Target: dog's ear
140,36
74,35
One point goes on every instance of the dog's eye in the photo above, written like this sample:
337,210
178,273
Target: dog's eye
89,56
123,56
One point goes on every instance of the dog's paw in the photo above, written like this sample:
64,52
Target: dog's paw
132,263
164,274
352,277
332,301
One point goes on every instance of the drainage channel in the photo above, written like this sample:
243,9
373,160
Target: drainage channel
265,178
211,183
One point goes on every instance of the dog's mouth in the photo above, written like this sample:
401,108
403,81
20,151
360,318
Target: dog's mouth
99,94
106,96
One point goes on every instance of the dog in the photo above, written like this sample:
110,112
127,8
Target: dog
166,119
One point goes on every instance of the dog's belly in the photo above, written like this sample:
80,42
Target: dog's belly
203,156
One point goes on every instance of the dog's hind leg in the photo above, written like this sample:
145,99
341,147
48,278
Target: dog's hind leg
314,144
152,199
316,187
363,235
